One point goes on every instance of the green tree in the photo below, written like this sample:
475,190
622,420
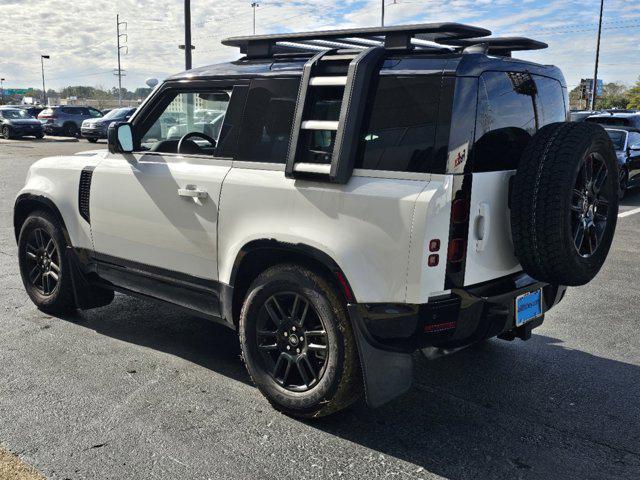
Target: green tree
634,96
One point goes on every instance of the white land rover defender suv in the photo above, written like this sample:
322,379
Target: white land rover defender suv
359,195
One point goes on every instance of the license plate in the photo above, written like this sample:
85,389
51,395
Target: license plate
528,307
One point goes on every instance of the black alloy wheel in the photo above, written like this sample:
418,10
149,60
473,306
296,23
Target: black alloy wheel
43,262
298,343
71,130
590,205
292,340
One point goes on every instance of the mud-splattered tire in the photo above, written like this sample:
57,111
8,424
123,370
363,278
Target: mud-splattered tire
298,344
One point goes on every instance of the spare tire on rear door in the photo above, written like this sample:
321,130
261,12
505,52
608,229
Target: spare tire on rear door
564,203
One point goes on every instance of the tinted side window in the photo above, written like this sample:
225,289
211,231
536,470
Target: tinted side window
550,101
400,133
267,120
505,122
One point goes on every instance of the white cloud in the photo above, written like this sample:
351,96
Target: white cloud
80,35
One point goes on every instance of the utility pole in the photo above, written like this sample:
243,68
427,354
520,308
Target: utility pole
2,91
44,88
382,23
594,88
120,47
187,47
254,5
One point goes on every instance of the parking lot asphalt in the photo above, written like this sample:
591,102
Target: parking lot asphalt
141,390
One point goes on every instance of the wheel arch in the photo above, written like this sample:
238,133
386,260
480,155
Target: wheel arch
28,203
258,255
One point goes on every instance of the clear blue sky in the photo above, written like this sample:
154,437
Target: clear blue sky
80,35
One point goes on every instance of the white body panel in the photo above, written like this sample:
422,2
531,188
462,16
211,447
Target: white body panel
431,221
490,252
57,178
364,226
137,213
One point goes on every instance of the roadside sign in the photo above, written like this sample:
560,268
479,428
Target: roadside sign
15,91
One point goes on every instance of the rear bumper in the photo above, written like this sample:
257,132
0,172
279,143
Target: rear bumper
458,318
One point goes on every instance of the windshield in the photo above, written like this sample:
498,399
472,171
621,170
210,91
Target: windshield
14,114
116,114
618,137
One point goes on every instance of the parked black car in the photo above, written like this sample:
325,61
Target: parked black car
96,128
16,122
626,142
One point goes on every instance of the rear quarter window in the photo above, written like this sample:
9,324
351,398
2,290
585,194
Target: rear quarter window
400,132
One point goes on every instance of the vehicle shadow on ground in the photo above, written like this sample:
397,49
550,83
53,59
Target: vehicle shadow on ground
166,329
631,199
499,409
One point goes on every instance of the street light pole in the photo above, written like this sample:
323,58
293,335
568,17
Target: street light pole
594,87
254,5
383,13
2,91
44,88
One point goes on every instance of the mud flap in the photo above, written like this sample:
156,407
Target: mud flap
87,296
387,374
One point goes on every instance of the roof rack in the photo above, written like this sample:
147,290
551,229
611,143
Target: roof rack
500,46
403,37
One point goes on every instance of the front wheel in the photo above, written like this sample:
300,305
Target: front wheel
298,344
6,132
44,269
92,140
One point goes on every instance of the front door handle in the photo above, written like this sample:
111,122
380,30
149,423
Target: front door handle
192,191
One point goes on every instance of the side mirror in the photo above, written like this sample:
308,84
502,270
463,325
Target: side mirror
120,137
635,147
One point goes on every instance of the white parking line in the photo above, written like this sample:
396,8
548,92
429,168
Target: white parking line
629,213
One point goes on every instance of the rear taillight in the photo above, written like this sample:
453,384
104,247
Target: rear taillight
47,117
456,251
459,211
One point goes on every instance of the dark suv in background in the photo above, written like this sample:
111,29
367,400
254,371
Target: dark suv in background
94,129
66,120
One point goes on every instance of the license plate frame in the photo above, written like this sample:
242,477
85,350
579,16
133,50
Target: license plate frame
528,307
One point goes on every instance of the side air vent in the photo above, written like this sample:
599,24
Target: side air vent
84,193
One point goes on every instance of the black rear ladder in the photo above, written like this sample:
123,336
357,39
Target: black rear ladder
323,72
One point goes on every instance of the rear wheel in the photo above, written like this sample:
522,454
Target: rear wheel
92,140
44,269
71,130
40,136
298,344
